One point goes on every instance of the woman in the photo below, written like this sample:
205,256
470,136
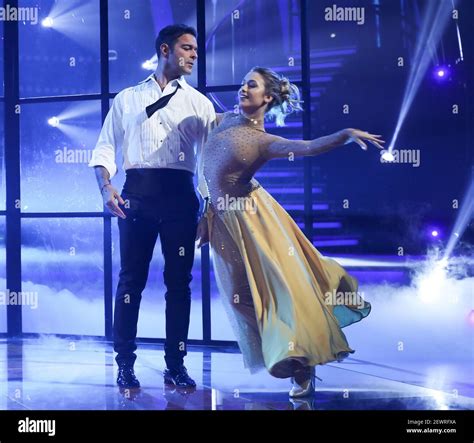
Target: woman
276,287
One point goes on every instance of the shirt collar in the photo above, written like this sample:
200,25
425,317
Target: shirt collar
180,80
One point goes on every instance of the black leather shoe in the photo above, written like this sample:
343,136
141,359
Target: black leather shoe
179,377
126,377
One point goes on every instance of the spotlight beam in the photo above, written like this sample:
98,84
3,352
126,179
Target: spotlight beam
458,33
78,134
435,21
79,109
466,213
76,21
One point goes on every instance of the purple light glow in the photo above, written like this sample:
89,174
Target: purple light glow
441,73
470,318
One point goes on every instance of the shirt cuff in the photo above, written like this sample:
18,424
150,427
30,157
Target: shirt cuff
107,164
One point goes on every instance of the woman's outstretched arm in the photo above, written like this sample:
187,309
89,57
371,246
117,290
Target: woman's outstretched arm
278,147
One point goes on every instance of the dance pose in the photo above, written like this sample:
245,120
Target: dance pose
278,290
157,124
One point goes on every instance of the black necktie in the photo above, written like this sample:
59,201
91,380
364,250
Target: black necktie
160,103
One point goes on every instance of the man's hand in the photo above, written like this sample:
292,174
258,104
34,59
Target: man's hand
202,232
110,196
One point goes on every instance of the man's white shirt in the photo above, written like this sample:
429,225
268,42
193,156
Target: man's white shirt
171,138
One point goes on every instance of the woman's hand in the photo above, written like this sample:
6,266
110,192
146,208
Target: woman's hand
358,136
202,233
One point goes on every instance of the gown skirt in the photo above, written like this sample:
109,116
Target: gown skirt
286,302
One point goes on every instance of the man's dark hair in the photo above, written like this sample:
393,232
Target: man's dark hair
170,34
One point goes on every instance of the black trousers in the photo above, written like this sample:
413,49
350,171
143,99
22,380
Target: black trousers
158,202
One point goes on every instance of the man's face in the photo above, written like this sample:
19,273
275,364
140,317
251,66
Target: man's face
183,56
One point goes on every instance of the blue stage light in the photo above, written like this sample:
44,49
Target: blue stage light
442,73
47,22
54,122
388,156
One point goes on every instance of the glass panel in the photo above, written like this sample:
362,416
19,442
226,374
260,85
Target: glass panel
343,56
2,86
2,127
133,27
54,172
151,322
236,39
63,272
2,158
3,282
73,30
3,277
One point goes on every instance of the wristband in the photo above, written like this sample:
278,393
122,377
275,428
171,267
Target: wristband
103,186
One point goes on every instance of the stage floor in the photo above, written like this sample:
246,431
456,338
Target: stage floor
58,374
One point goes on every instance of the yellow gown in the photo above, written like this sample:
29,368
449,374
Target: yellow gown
285,301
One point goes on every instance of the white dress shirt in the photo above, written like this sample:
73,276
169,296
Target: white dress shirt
170,138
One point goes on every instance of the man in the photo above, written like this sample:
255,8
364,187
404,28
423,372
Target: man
157,124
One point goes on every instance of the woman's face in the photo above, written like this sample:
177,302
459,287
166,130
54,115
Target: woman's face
252,93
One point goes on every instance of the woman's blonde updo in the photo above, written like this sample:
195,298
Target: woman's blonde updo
286,95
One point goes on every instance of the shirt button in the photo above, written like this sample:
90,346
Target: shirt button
161,141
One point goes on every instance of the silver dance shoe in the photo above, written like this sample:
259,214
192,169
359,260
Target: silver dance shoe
303,383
